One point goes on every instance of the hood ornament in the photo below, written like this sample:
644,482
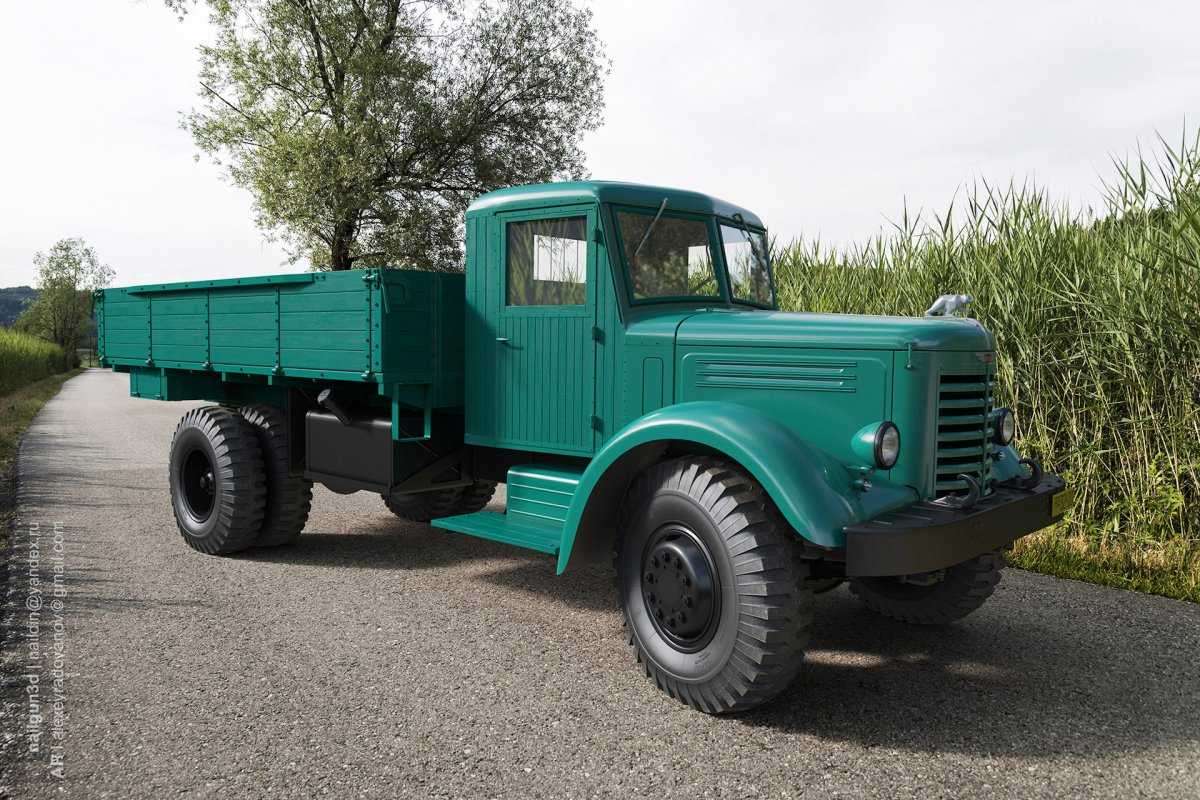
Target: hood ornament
948,305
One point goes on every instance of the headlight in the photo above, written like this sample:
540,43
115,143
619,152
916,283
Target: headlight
887,445
1004,426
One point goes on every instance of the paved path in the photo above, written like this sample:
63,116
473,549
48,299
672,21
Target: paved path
381,659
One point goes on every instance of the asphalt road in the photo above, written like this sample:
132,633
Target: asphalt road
381,659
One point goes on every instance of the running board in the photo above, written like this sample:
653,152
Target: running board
538,499
502,528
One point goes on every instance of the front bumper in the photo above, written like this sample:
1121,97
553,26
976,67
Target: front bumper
928,536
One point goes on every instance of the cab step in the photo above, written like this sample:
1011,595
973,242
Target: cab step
538,499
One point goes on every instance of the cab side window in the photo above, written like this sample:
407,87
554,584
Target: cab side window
547,262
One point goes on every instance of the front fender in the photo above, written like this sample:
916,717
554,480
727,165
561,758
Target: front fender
811,489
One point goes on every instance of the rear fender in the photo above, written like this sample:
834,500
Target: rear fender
812,490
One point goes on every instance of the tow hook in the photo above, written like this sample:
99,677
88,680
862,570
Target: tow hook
1034,477
967,500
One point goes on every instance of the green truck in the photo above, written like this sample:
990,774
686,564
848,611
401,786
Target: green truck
615,356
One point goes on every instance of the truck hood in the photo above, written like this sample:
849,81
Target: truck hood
833,331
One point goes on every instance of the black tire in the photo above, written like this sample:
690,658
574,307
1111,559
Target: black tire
746,644
289,496
424,506
823,585
962,589
218,489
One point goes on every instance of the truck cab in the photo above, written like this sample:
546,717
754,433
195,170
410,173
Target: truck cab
584,286
615,354
627,299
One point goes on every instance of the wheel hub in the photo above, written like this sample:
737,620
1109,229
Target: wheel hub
679,587
198,483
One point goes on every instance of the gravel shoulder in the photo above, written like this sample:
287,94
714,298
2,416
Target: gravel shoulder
383,659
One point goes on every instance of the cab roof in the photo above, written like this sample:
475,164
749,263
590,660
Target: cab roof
629,194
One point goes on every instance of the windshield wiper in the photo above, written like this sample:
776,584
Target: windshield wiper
761,258
646,235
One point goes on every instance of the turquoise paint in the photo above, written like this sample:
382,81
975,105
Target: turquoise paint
811,488
863,443
836,331
508,529
546,195
784,394
1006,463
541,494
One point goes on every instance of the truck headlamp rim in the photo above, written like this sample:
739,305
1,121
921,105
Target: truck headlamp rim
1004,427
887,445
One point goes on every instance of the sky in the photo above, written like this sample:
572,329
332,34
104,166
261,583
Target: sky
824,118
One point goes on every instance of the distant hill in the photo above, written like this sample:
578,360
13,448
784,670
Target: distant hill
13,301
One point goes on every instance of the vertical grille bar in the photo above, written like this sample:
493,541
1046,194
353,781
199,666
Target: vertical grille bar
963,443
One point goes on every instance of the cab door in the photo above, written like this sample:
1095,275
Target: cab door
544,312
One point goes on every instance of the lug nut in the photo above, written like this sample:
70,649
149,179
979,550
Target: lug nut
687,601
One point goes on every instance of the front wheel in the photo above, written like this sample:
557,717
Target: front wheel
936,598
714,599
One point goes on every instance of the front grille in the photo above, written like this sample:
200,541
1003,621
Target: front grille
963,440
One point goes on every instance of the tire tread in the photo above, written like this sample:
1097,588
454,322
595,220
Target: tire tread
426,506
775,607
966,587
289,496
239,463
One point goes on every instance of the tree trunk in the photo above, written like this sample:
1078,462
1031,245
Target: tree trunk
339,248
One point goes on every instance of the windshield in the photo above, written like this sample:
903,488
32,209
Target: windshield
746,260
670,258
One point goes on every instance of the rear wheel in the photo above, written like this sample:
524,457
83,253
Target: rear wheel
218,489
424,506
936,598
714,598
289,496
823,585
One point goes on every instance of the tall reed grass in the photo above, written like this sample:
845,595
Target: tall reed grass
1097,321
25,359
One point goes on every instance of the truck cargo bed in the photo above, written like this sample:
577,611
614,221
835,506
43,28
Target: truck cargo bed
390,327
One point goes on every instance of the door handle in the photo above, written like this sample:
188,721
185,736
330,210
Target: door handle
502,339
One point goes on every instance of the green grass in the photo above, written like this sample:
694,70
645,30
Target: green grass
1171,569
1097,319
17,410
25,359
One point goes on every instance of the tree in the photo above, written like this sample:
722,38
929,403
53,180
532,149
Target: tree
67,276
363,128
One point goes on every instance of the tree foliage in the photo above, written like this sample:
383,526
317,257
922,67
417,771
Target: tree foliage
363,128
67,275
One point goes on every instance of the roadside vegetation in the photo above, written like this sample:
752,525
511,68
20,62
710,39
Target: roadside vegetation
32,371
1097,318
41,350
17,410
25,359
56,323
